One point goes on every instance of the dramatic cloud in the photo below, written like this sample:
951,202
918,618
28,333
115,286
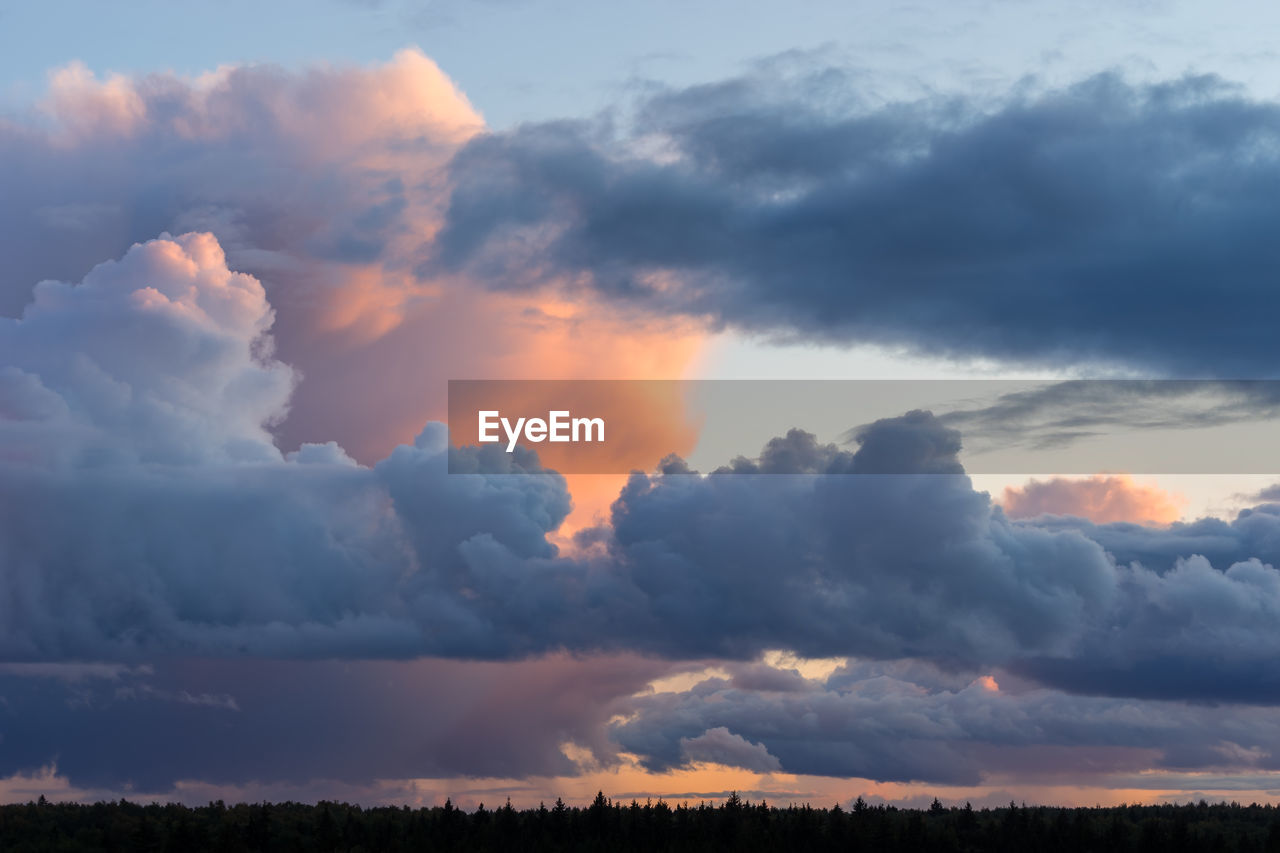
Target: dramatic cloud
147,508
79,389
179,570
218,722
923,566
1100,498
857,562
1106,223
148,513
902,721
326,185
227,722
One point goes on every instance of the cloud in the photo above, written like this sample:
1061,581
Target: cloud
326,185
885,565
721,746
80,391
1055,414
382,721
145,393
808,548
902,722
214,514
296,722
1093,225
1269,494
151,520
920,565
147,507
1099,498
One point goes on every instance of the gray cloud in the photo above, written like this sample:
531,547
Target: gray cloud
150,516
921,565
721,746
1059,413
1269,494
905,724
1106,223
227,722
148,509
151,519
882,565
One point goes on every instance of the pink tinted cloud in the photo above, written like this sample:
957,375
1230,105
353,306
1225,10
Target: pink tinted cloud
1100,498
327,185
162,356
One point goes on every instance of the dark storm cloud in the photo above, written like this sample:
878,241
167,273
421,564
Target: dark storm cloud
1105,223
297,723
226,722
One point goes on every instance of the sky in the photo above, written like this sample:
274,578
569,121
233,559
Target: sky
246,246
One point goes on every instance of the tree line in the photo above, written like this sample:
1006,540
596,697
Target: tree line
608,825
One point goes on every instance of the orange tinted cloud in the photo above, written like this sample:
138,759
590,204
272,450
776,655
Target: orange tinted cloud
1100,498
327,185
380,371
330,112
348,168
588,342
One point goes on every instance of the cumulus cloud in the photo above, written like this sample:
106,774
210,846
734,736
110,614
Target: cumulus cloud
326,185
160,357
807,547
320,184
148,509
721,746
291,168
1099,498
1093,224
900,721
149,517
920,565
868,563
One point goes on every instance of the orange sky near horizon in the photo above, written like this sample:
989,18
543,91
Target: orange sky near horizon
627,781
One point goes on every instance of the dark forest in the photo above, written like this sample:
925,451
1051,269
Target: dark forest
608,825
